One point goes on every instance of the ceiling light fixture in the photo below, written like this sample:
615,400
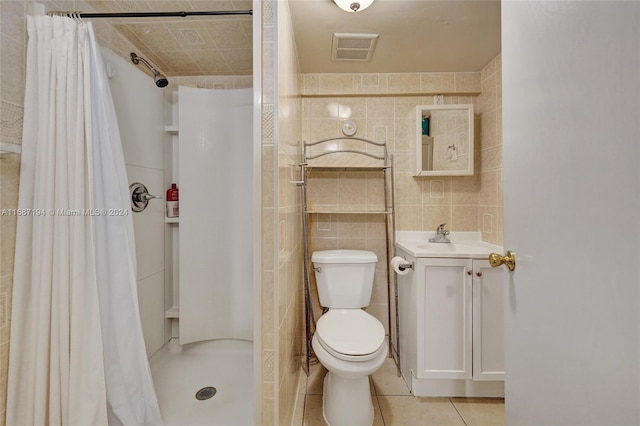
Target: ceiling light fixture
353,5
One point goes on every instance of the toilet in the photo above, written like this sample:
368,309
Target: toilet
348,341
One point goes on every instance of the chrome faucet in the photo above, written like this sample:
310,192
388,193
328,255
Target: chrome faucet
441,235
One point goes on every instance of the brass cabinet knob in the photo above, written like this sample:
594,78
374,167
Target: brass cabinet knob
469,272
508,259
479,273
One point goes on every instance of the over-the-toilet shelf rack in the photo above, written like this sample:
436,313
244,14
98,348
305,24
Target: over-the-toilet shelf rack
375,162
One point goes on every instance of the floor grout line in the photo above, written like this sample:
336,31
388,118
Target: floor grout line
375,388
306,395
380,408
457,411
304,406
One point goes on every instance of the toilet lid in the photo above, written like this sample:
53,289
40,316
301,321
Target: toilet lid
350,331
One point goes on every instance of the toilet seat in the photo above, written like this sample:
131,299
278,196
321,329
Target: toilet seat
350,334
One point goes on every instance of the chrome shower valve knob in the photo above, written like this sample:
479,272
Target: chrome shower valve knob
140,196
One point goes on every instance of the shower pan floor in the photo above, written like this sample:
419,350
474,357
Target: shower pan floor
180,372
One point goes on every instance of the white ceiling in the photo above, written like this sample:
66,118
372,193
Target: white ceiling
415,35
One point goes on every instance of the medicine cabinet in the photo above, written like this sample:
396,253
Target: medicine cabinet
444,140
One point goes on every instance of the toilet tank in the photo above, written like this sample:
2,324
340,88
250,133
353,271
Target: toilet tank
344,277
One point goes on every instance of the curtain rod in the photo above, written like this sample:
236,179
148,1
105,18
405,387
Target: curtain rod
72,14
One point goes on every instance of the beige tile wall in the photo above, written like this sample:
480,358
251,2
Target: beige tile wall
291,324
212,82
464,203
459,83
282,252
489,158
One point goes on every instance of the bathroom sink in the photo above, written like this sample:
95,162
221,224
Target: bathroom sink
461,249
452,248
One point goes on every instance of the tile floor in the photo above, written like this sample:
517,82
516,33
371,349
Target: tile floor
394,405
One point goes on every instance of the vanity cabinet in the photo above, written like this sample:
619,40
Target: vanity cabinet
444,319
451,327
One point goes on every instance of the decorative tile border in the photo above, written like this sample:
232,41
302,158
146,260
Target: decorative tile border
268,123
268,13
11,118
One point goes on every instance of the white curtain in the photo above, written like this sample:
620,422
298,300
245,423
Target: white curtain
77,353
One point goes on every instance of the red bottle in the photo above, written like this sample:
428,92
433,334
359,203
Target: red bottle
172,201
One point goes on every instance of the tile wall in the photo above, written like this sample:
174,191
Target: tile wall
489,153
282,314
290,252
212,82
382,107
269,365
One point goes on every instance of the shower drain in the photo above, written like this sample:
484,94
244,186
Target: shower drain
205,393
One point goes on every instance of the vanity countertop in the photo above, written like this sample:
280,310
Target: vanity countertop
462,245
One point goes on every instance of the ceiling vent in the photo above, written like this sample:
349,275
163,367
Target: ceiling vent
353,47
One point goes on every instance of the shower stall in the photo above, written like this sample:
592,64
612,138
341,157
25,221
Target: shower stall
189,292
212,289
195,280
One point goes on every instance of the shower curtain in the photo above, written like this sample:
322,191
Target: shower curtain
77,353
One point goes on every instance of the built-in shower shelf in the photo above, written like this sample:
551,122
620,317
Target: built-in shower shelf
172,220
171,129
173,312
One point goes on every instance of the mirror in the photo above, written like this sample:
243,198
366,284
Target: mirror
444,136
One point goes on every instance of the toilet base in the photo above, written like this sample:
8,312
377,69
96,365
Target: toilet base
347,401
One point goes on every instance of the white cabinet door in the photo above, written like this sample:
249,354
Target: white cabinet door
488,322
444,318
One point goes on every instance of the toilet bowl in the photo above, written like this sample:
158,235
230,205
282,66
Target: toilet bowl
351,345
348,341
